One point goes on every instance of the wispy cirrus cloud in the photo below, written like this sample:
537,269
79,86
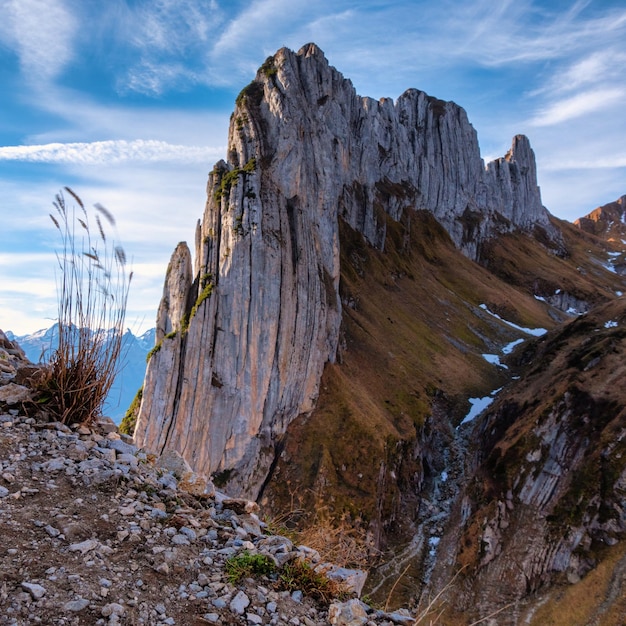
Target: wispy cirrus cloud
603,66
171,39
613,162
522,31
260,28
260,20
576,106
41,33
152,78
111,152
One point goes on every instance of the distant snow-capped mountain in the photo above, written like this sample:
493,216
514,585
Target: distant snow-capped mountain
39,346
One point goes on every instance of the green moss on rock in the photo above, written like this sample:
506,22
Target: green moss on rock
128,423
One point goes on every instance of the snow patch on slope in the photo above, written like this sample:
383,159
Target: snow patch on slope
535,332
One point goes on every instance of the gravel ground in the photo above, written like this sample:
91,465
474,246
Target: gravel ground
95,531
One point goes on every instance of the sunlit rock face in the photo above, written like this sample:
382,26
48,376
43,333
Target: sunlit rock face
244,337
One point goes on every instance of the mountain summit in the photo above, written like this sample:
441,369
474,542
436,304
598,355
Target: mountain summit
360,289
305,153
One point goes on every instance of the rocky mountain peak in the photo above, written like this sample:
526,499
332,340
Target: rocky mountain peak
607,221
244,340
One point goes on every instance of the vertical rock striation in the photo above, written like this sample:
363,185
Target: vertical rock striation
244,340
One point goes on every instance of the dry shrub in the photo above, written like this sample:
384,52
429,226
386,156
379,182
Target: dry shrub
341,541
92,292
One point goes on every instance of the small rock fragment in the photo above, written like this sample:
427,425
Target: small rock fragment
239,603
350,613
113,608
84,546
35,590
76,605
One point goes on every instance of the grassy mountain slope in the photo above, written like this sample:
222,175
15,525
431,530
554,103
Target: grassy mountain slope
413,339
582,265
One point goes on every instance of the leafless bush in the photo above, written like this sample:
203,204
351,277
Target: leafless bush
341,541
92,292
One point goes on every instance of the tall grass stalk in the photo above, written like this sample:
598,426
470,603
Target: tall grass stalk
92,291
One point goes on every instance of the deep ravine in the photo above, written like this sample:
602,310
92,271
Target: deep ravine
406,576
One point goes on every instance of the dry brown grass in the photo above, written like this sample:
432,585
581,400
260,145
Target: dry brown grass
92,292
412,338
301,575
343,542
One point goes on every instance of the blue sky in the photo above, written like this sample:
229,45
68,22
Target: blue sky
128,101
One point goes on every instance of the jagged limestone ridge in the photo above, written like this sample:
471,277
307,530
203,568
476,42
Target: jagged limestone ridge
245,358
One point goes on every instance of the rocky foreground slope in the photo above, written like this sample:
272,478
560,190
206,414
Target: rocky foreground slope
95,531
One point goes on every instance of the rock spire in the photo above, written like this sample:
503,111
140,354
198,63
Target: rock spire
244,337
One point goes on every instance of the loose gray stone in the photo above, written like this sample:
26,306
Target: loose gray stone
53,465
84,546
35,590
76,605
14,394
239,603
350,613
173,462
219,603
113,608
180,540
52,531
128,459
188,532
122,448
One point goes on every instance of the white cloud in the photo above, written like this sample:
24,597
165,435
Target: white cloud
85,119
577,106
28,294
598,66
261,29
25,259
41,32
507,33
112,152
592,68
173,26
259,22
534,35
612,161
152,79
171,39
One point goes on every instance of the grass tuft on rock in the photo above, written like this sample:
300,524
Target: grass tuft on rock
246,565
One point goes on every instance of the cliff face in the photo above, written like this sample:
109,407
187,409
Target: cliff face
244,339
